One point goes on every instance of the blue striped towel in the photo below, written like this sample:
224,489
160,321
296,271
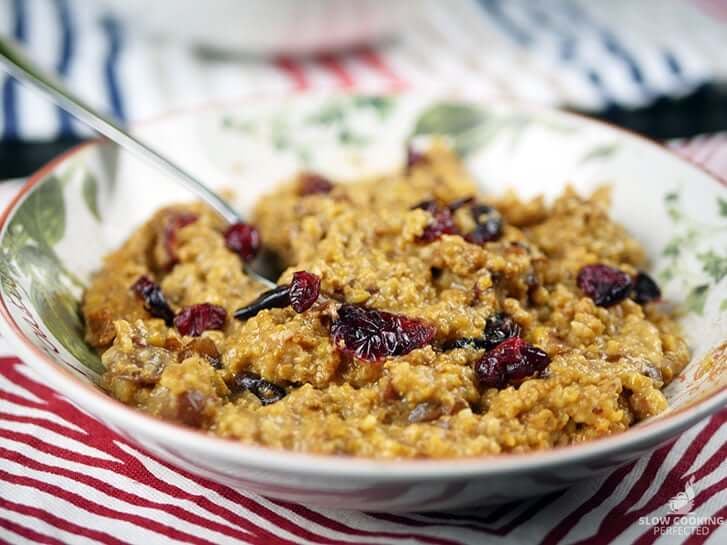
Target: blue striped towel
578,53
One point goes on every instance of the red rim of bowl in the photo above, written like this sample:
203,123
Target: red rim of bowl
651,432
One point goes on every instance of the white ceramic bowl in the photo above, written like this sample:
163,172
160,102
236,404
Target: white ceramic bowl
267,26
86,202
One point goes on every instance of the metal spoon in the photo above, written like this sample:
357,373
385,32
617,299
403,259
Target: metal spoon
23,69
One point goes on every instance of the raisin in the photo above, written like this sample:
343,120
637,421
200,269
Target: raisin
278,297
488,224
371,334
243,239
195,319
645,289
154,300
512,361
173,344
201,346
173,224
301,293
190,407
465,342
265,391
312,184
605,285
425,412
304,290
498,327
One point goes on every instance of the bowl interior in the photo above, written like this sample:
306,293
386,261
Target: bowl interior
85,204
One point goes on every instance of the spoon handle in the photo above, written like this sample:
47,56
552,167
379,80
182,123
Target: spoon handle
21,67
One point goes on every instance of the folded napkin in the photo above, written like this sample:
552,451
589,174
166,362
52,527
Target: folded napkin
65,478
578,53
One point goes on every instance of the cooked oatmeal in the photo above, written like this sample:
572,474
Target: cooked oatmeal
415,318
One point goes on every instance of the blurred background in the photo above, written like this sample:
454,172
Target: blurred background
654,66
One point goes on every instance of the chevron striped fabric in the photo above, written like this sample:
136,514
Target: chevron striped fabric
65,478
580,53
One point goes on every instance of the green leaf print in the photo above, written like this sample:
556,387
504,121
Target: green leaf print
382,105
89,191
671,197
330,113
694,241
472,127
39,264
696,299
244,126
349,138
671,203
714,265
29,259
58,310
463,123
43,214
722,204
672,248
600,152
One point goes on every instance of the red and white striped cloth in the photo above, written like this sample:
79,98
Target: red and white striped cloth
65,478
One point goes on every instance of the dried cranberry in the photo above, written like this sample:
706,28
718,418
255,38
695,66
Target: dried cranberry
531,360
645,289
500,327
510,361
301,293
243,239
304,290
442,223
605,285
490,373
488,225
154,300
173,224
372,334
414,158
265,391
312,184
196,319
